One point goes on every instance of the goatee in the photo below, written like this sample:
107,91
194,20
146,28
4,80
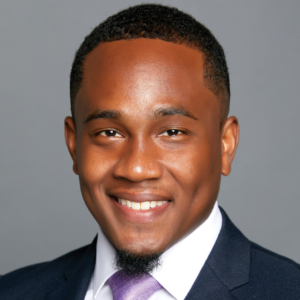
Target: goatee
136,264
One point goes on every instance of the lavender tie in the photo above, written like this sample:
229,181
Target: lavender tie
126,287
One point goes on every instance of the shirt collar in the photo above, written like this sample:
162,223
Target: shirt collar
104,267
181,263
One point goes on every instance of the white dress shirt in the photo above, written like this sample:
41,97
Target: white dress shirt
180,266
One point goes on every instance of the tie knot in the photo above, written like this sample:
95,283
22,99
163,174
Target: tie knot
126,287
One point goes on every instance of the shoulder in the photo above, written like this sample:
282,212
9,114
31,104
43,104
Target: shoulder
260,253
272,276
277,267
251,271
39,278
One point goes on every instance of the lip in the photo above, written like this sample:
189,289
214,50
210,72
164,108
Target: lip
139,216
140,197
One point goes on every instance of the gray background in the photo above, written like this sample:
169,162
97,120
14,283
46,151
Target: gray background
42,214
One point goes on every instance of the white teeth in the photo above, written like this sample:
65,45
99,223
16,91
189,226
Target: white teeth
145,205
136,205
141,205
153,204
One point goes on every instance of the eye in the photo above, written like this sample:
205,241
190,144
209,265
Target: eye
172,132
109,133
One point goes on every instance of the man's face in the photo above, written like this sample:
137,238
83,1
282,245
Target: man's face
147,135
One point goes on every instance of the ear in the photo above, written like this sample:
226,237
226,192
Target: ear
70,137
230,140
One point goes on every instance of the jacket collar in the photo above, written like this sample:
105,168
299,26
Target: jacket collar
227,267
76,276
230,258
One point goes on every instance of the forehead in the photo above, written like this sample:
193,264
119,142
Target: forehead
142,73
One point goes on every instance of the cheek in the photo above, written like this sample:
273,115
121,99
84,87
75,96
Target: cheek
195,164
196,172
93,166
92,163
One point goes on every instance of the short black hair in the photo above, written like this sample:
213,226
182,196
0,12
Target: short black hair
155,21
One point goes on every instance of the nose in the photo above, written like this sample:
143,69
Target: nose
138,162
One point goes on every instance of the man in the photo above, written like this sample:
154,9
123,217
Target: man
150,137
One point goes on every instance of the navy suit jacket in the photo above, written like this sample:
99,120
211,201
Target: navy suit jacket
235,269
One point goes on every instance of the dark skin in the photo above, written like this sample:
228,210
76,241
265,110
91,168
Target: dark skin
148,129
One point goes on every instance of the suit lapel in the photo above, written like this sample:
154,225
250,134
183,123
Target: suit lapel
227,267
208,286
76,277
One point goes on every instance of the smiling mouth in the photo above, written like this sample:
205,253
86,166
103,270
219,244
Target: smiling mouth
143,205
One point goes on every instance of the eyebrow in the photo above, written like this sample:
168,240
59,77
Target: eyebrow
171,111
160,112
103,114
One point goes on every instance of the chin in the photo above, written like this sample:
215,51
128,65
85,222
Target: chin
144,247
